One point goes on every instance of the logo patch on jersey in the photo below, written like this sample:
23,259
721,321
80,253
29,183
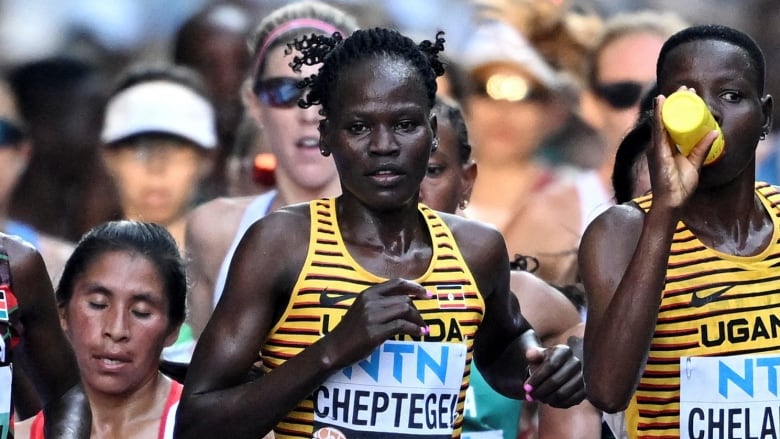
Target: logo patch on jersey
450,296
699,301
328,433
331,299
7,303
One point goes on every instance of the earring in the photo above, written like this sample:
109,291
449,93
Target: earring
763,135
463,204
434,144
324,150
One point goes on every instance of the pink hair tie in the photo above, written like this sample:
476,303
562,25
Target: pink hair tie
298,23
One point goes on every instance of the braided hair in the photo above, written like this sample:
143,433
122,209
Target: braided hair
336,53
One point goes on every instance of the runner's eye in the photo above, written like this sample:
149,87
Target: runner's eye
97,305
434,171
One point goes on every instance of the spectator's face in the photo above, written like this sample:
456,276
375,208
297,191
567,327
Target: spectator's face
628,59
157,177
504,130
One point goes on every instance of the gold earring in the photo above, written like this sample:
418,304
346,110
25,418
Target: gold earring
463,204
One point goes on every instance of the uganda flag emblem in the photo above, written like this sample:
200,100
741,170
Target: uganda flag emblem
451,296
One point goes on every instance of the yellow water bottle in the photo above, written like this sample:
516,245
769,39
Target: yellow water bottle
687,119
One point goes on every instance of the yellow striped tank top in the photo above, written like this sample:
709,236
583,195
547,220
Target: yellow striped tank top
713,304
331,279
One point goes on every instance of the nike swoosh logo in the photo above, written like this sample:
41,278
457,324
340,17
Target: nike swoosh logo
331,299
698,301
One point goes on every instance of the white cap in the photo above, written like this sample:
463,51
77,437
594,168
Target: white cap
160,107
499,42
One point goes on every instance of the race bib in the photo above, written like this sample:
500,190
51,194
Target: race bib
731,397
5,401
404,389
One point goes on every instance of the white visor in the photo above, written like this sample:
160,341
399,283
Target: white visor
160,107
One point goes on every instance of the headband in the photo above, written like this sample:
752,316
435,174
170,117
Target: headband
297,23
161,107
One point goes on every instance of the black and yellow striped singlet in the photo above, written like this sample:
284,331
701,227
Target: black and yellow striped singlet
331,279
713,304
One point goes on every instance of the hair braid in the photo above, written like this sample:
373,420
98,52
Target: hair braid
336,53
432,49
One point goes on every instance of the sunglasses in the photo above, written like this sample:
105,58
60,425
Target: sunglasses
10,133
278,92
621,95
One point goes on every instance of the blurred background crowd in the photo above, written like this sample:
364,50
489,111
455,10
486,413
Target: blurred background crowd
60,58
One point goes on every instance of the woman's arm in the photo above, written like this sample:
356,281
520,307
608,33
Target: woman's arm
504,347
623,266
548,310
45,353
623,260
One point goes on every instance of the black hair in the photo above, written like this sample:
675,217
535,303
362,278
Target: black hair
35,83
714,32
190,36
627,156
336,53
148,72
631,148
147,239
446,108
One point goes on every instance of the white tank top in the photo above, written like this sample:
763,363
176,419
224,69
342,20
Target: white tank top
257,209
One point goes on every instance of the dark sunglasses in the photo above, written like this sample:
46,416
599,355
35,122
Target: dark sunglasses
10,133
279,92
621,95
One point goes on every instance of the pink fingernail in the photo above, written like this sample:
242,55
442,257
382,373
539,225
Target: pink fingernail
528,388
529,398
429,293
425,330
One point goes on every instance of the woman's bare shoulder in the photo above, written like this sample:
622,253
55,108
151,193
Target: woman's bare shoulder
218,210
481,244
214,224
